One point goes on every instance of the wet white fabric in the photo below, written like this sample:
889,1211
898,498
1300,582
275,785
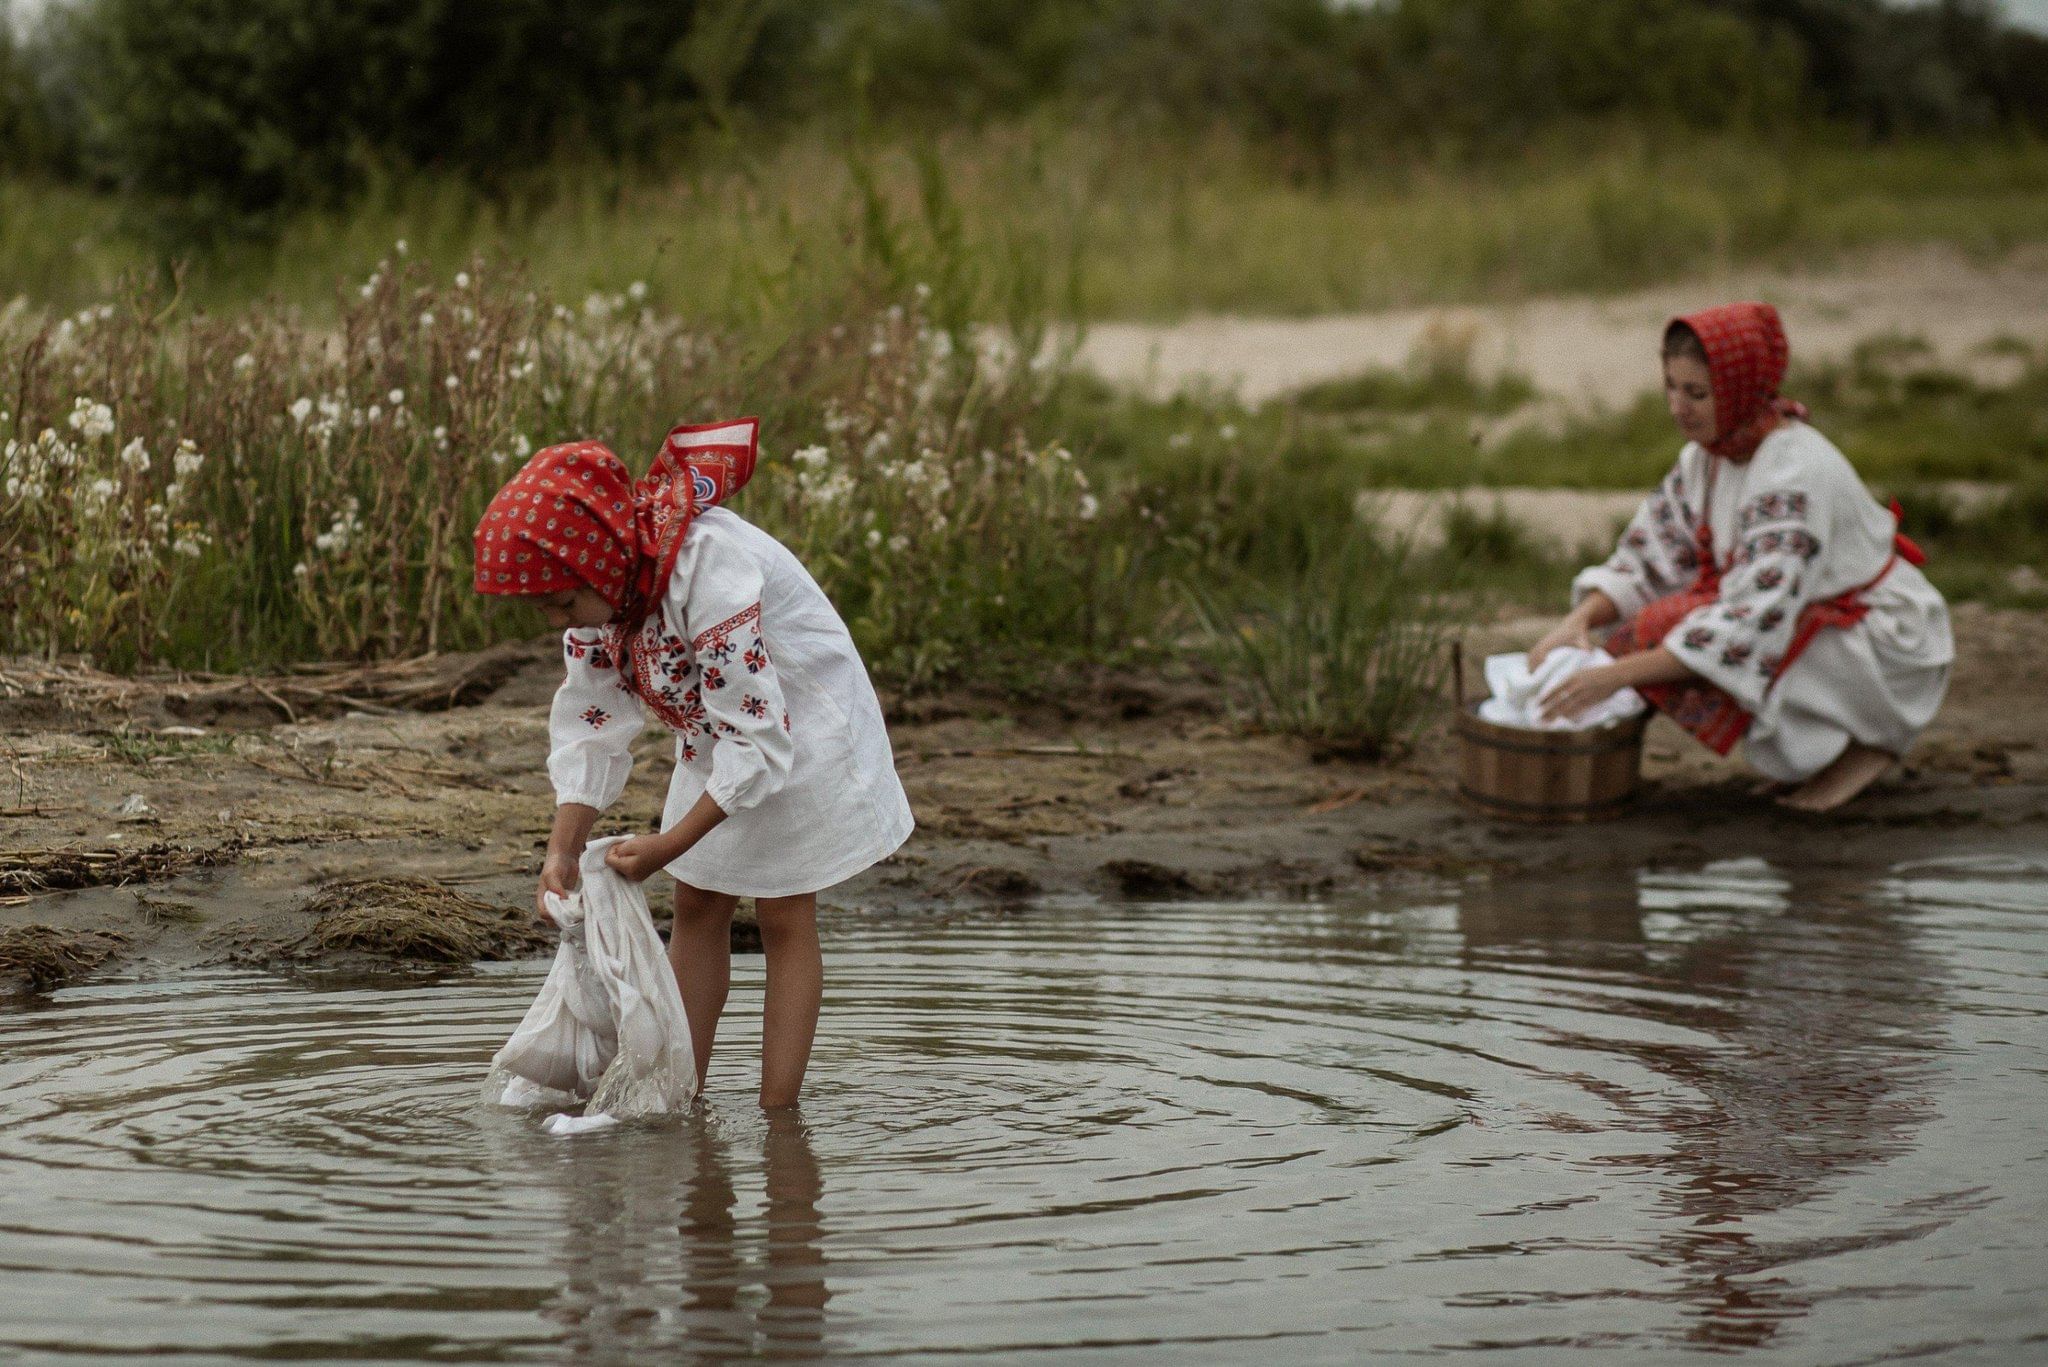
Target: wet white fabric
1518,692
1791,526
788,739
608,1026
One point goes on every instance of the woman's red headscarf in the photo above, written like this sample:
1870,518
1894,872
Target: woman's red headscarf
1746,356
573,518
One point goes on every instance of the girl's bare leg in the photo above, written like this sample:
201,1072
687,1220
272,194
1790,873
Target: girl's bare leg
1855,769
796,984
700,952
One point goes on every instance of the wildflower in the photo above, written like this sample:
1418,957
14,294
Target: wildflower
244,363
400,247
1088,508
474,354
299,570
93,420
426,319
898,544
521,447
374,413
397,397
1228,431
462,280
300,410
104,488
369,288
596,306
188,460
135,456
440,434
874,538
190,545
452,382
637,291
810,456
1180,441
877,444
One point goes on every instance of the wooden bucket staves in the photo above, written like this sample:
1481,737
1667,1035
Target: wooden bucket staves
1545,776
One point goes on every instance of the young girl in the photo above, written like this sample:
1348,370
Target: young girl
1764,595
675,607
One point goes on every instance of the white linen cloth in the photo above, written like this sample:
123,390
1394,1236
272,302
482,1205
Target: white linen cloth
1792,525
608,1025
1518,693
774,717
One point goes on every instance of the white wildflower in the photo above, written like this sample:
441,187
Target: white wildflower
188,460
374,413
244,363
453,383
474,354
898,544
426,319
135,456
462,280
299,570
400,247
1180,441
521,447
810,455
94,420
1088,508
103,489
596,306
874,538
397,397
300,410
876,444
637,291
1228,431
190,545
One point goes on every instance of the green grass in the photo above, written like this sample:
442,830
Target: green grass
1135,226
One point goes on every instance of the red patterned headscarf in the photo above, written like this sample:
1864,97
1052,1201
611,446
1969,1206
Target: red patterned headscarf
573,518
1746,356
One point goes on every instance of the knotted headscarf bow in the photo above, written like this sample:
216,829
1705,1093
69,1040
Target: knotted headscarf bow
573,518
1746,355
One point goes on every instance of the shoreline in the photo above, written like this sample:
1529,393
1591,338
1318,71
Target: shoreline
1149,794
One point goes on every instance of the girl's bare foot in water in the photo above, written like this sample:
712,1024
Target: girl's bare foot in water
1855,769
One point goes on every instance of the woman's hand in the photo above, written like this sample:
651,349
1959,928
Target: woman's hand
637,857
1581,692
559,874
1572,631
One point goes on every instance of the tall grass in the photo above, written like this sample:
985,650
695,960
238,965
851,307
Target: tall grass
1347,651
1153,224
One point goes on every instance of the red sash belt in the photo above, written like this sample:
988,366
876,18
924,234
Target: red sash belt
1706,710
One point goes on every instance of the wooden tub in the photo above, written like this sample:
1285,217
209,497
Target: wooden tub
1548,776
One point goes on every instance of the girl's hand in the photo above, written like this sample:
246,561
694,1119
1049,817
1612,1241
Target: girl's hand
638,857
1572,631
558,874
1584,690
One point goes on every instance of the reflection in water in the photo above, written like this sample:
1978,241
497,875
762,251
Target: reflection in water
660,1251
1742,1109
1799,1044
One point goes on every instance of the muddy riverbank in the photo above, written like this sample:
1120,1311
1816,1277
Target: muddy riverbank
162,838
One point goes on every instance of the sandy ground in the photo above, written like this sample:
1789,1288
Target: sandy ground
1579,351
1150,794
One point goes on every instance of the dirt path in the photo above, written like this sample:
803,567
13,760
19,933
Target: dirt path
1152,794
1598,351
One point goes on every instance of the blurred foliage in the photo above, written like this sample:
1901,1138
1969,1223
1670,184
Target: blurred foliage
217,116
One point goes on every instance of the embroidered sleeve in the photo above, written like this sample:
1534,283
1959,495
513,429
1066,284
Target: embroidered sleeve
592,724
1739,641
1658,553
745,719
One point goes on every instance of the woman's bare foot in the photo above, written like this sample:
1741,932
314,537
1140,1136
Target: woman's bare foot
1855,769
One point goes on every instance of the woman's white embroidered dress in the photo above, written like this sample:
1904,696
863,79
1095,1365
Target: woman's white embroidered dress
773,714
1792,525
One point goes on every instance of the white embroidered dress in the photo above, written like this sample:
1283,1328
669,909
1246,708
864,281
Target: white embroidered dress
773,713
1793,525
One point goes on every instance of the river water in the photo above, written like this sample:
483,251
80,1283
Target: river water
1782,1114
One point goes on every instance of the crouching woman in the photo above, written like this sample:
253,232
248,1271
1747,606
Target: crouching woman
1761,596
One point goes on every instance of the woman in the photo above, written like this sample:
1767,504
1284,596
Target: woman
676,608
1764,596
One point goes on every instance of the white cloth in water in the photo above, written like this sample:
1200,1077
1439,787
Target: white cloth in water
1518,692
608,1026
